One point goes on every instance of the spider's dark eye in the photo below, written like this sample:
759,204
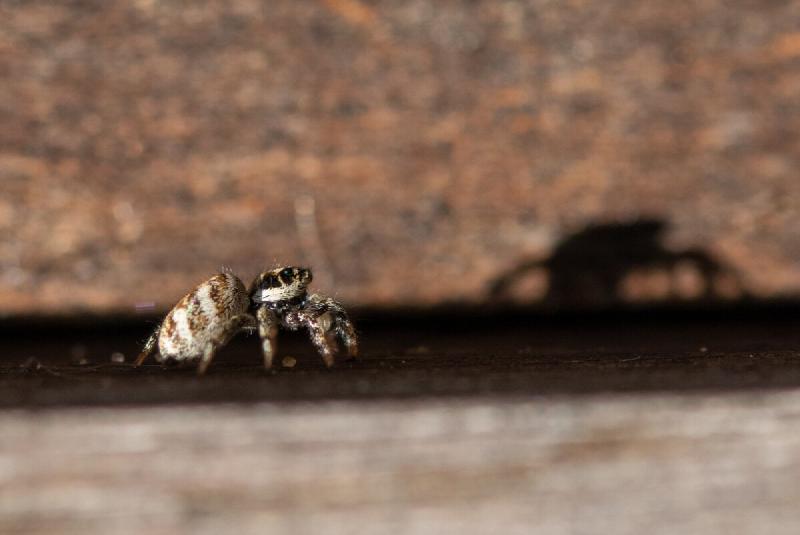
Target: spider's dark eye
287,275
271,281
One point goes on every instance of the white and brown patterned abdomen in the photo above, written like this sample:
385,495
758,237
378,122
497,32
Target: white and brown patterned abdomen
201,317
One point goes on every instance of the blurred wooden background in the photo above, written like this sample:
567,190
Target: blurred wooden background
591,465
414,153
411,152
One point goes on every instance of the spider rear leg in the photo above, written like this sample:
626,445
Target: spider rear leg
208,356
234,325
148,348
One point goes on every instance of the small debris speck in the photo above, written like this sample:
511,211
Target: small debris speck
77,355
704,349
288,362
117,357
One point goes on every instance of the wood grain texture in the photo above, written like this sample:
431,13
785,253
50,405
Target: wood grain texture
659,464
412,153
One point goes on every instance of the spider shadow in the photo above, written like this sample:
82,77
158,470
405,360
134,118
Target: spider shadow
607,265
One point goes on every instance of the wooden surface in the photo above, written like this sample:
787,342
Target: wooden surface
656,464
614,423
411,153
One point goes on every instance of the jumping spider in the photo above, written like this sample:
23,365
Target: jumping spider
280,298
216,310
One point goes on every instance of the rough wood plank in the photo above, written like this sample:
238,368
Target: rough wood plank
410,152
623,465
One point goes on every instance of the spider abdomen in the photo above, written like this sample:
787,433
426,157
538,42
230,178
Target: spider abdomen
202,317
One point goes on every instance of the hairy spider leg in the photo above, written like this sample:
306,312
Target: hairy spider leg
319,337
234,325
268,332
149,346
347,334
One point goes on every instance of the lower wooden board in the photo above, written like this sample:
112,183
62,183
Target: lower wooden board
644,463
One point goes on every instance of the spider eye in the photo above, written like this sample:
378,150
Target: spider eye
271,281
287,275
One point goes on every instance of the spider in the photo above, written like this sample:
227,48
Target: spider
280,298
206,318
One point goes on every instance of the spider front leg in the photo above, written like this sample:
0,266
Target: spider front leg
319,331
339,325
268,332
347,334
327,320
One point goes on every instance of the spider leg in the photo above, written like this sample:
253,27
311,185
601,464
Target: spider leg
148,348
208,355
234,325
347,334
319,337
327,321
268,332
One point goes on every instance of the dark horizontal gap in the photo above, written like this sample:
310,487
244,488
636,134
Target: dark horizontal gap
454,316
420,353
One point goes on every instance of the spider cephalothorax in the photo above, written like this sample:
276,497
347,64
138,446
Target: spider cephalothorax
281,287
217,309
279,297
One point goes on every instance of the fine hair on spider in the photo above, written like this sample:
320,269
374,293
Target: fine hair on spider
206,318
280,298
